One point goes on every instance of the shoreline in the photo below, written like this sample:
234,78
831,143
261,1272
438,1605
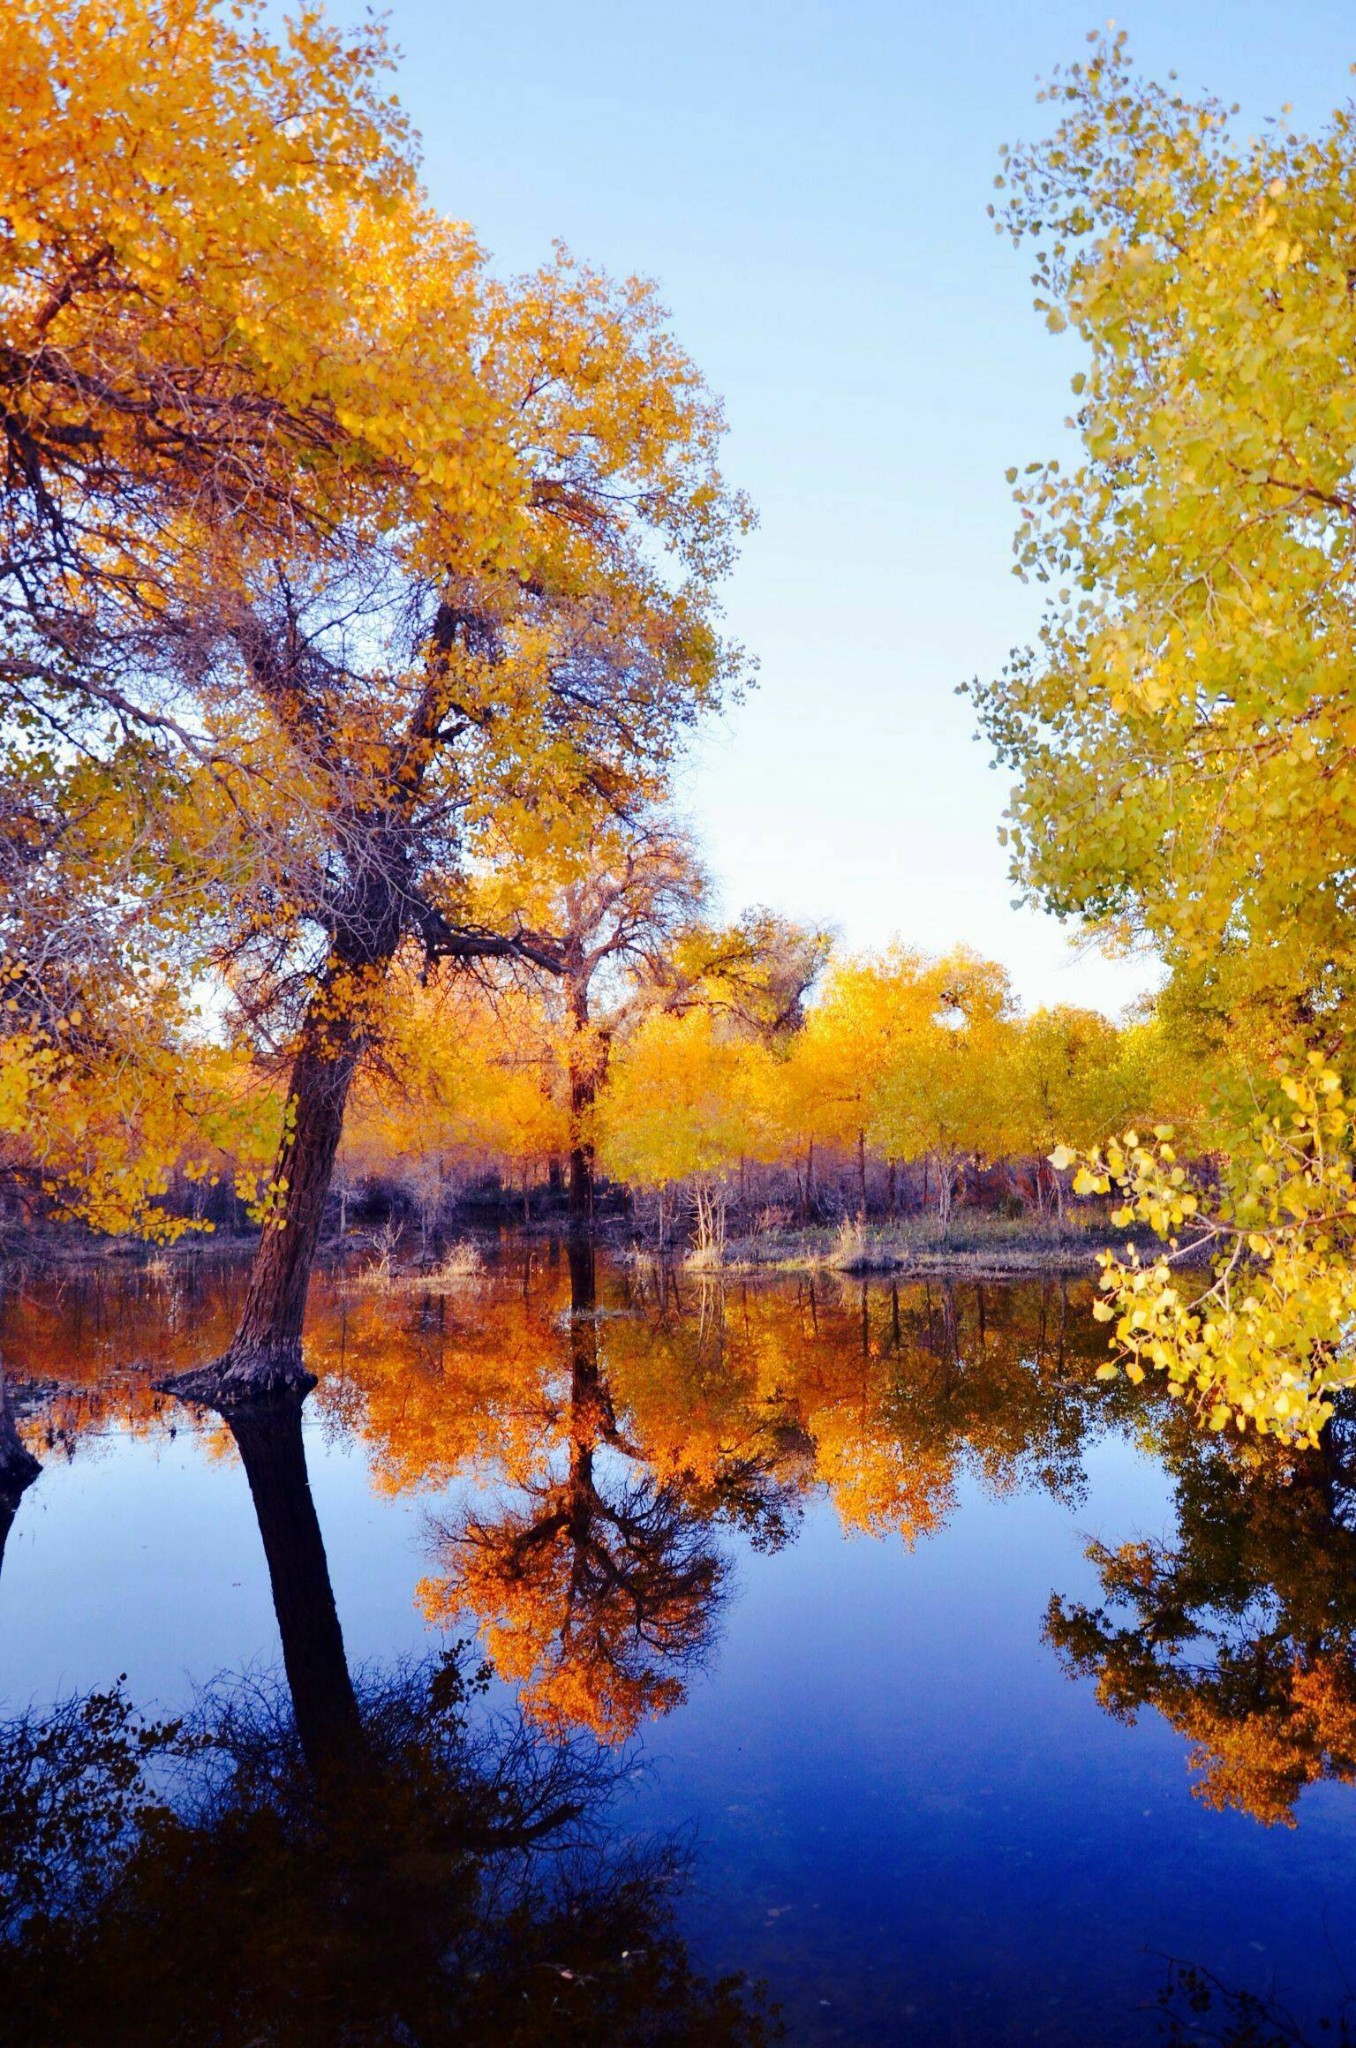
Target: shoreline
977,1245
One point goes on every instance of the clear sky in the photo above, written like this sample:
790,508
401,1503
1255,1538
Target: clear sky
808,183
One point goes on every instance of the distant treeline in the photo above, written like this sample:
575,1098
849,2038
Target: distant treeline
901,1085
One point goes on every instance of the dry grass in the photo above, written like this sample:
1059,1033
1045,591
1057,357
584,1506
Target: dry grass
706,1258
462,1265
975,1242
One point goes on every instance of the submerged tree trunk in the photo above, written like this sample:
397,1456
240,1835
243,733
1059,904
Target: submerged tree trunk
268,1433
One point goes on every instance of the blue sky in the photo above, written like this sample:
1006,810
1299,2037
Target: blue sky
809,184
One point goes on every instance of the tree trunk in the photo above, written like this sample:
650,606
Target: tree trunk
265,1353
581,1186
892,1191
587,1064
269,1332
264,1356
861,1172
268,1433
945,1186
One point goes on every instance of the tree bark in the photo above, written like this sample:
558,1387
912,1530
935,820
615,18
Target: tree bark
264,1356
583,1092
946,1171
581,1186
267,1342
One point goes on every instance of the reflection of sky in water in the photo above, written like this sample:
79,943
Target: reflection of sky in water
908,1819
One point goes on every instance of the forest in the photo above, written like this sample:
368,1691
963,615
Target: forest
359,605
429,1191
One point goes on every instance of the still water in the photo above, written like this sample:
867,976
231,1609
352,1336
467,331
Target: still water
848,1638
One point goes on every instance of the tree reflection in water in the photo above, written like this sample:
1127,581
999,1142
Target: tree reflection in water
610,1437
354,1864
1242,1630
18,1467
1196,2009
596,1572
597,1591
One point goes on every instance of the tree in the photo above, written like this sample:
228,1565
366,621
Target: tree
686,1099
943,1093
1182,730
855,1037
604,926
1059,1065
620,927
480,586
466,1072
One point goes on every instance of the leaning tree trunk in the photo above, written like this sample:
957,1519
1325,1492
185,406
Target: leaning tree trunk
264,1356
267,1344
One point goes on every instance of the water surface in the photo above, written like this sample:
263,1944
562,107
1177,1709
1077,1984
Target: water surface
812,1561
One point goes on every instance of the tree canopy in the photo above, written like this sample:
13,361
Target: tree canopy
1182,730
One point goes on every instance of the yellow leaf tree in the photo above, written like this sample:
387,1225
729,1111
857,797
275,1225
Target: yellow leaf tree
380,563
1183,730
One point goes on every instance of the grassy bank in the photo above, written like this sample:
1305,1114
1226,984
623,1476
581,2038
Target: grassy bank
973,1243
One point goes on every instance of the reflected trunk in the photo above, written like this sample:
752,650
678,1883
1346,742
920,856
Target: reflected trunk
18,1467
269,1437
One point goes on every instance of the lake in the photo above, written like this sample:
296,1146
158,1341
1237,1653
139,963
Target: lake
940,1688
